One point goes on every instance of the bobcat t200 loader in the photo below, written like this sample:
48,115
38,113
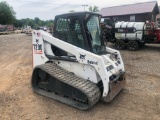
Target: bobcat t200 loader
74,66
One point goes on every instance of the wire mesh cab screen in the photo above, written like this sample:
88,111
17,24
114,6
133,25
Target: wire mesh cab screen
69,30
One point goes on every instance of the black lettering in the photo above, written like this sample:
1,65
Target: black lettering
39,47
92,62
35,46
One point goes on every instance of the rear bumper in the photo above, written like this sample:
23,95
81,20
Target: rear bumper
115,87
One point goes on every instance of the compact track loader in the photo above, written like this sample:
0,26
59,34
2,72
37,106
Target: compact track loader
74,66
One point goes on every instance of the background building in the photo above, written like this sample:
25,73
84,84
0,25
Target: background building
140,12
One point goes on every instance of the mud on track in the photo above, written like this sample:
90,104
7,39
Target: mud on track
139,100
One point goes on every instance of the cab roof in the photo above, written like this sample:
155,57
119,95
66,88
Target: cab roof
81,14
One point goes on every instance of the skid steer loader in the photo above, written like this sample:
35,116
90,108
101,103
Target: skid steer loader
74,66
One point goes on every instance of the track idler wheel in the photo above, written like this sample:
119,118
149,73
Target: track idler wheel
43,76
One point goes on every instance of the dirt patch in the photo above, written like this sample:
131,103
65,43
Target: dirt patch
138,101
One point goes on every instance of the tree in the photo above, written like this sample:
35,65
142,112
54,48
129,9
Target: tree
37,20
33,22
93,9
7,14
18,23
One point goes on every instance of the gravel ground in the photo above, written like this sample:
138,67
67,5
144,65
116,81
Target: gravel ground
140,100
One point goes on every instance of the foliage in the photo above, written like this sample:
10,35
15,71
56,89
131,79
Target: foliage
93,9
36,22
7,14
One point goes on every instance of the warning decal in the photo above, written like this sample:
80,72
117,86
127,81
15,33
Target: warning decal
37,47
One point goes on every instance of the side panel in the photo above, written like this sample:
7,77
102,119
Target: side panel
38,49
84,71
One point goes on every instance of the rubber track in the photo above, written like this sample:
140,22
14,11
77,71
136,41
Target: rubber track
90,89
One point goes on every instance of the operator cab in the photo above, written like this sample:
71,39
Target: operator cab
81,29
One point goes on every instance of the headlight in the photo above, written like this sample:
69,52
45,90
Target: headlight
109,68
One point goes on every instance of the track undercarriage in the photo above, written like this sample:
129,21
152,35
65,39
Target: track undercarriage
54,82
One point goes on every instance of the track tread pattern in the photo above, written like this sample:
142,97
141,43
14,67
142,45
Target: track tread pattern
90,89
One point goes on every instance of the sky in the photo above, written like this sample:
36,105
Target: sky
48,9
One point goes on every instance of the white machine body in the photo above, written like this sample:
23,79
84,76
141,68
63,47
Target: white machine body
88,66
